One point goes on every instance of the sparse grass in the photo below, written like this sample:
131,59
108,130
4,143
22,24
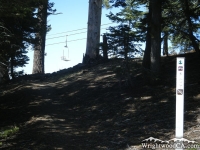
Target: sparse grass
8,131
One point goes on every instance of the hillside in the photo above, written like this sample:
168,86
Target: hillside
87,109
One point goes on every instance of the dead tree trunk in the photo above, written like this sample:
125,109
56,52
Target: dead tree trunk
93,32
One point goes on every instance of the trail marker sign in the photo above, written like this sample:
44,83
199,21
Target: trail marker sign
180,71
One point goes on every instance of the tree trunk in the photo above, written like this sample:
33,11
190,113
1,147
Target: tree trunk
146,63
93,32
12,67
105,47
125,46
39,49
5,72
155,35
165,44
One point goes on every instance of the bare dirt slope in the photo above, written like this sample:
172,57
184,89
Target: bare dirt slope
88,110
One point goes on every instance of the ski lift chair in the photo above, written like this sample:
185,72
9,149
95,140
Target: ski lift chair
64,57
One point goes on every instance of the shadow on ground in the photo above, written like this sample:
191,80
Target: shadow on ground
88,110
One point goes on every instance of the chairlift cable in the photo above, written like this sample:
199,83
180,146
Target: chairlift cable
65,42
68,35
64,35
75,30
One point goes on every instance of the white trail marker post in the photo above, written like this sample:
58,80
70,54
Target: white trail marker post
180,71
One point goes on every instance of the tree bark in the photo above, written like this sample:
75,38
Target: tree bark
39,49
155,35
93,32
12,67
125,45
146,63
165,44
105,47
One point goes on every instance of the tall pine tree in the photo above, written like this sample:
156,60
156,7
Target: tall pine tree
39,48
19,25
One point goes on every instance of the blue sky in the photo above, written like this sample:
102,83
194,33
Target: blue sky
74,16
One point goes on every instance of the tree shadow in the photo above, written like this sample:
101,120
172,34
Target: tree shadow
90,111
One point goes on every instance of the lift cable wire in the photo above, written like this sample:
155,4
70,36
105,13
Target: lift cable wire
66,32
64,35
74,30
68,41
65,41
69,35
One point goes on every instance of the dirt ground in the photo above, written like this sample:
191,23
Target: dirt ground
89,110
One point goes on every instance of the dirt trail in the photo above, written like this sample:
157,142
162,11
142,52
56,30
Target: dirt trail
87,110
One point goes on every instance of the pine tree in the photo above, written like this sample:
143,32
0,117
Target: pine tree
183,23
18,19
189,16
122,41
173,19
39,48
125,35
